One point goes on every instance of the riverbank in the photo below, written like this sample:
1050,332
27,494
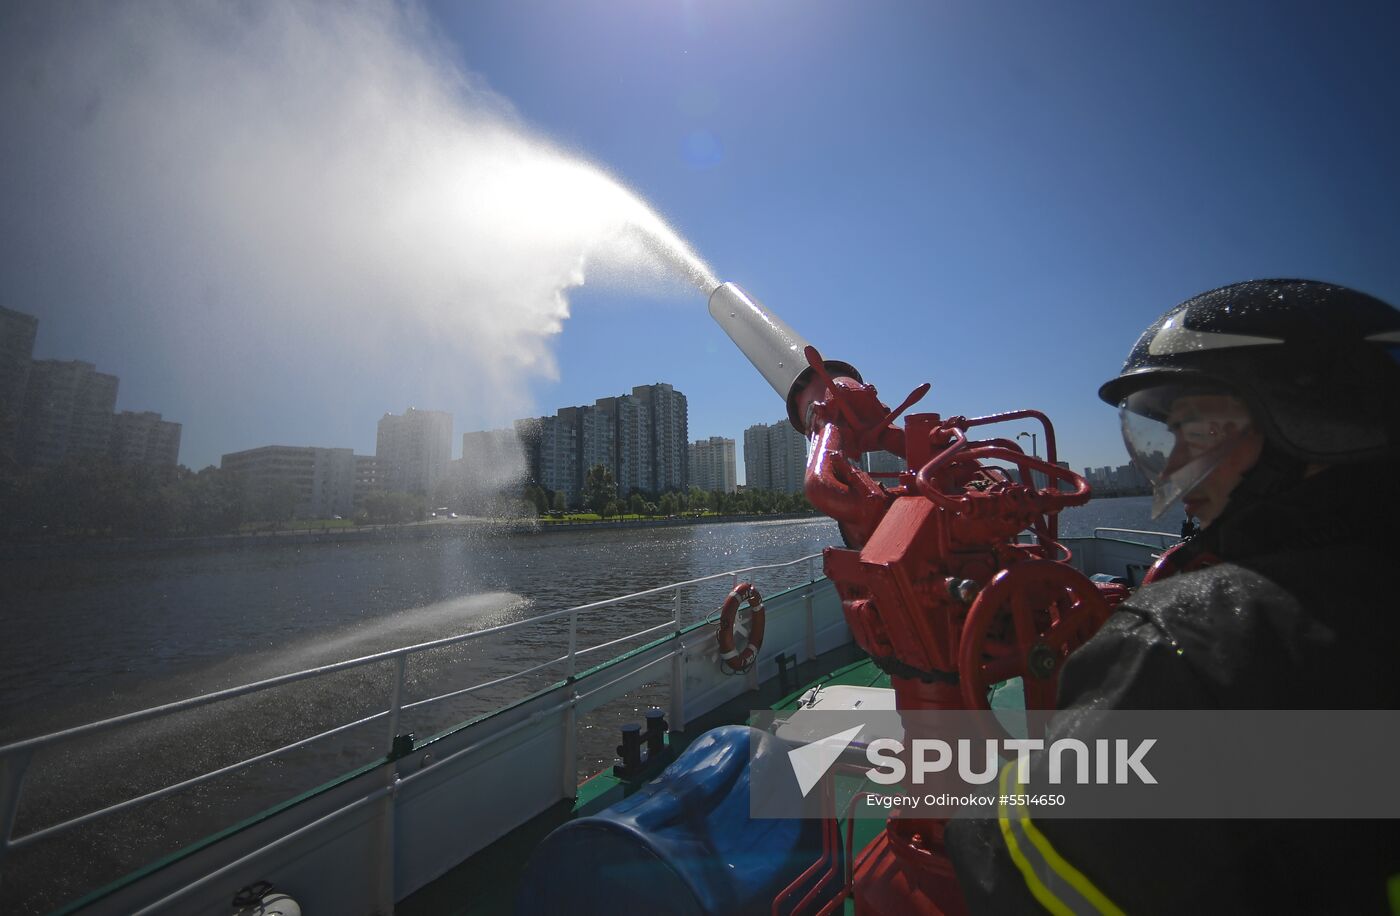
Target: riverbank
412,531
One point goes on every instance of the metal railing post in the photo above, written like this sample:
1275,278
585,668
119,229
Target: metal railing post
12,770
396,703
387,814
811,643
569,776
677,711
573,643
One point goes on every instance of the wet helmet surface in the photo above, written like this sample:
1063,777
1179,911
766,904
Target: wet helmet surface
1315,363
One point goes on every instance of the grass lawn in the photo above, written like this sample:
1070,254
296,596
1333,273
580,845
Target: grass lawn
595,517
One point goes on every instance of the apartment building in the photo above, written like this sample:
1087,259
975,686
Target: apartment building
775,457
144,439
712,466
17,332
413,450
68,413
319,481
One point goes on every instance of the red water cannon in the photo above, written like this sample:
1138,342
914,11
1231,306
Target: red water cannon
936,579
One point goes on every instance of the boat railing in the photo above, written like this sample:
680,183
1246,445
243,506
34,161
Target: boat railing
16,757
1161,539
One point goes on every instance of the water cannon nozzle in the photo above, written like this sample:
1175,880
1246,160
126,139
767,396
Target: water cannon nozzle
775,349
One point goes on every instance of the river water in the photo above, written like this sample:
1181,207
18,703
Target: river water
86,639
94,637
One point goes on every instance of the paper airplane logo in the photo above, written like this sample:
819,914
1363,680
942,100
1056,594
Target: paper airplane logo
811,761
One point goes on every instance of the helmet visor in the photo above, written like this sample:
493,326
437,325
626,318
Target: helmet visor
1178,436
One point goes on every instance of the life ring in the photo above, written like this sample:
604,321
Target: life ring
730,655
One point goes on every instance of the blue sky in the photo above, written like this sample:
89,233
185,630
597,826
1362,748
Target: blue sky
993,197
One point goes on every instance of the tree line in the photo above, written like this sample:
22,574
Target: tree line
99,498
600,496
102,499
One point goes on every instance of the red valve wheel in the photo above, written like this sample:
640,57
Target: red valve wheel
1052,610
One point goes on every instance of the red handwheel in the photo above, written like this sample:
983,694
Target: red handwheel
1024,624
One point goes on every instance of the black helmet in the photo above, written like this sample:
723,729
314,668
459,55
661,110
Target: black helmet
1315,363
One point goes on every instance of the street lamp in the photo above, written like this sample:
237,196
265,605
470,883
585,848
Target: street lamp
1036,476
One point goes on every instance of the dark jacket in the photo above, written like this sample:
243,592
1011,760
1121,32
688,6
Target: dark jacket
1301,613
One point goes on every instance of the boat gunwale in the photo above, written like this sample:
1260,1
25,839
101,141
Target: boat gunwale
25,748
602,666
401,653
141,715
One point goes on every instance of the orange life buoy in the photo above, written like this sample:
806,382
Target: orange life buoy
729,654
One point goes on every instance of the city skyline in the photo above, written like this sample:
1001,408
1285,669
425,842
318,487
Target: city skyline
19,335
993,200
56,411
413,451
131,436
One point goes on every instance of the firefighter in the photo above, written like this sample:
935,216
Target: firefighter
1271,410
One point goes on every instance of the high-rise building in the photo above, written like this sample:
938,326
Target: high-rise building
590,429
756,473
787,450
630,422
145,439
492,453
367,478
68,412
559,457
639,437
712,465
669,436
551,454
492,463
17,331
414,450
1124,478
882,462
315,482
529,432
775,457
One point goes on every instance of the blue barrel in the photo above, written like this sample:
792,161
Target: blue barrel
684,843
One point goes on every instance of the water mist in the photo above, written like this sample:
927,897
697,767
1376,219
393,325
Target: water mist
275,221
261,213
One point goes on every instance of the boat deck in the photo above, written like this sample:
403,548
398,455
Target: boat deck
488,881
456,816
